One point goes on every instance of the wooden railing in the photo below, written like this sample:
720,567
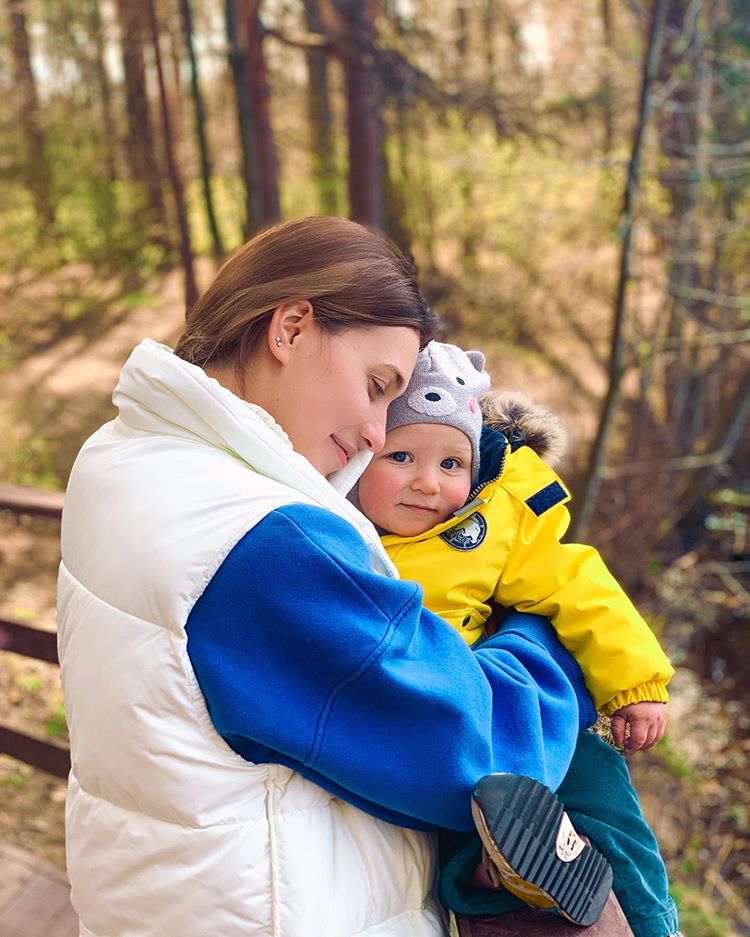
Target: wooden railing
23,639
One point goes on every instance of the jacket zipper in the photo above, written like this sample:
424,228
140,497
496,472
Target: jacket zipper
475,491
272,787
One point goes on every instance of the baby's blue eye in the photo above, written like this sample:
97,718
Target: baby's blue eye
400,456
450,464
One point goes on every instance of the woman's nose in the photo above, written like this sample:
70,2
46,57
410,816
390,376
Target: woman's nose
373,433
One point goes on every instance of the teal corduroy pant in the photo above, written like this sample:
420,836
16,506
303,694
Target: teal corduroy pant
602,804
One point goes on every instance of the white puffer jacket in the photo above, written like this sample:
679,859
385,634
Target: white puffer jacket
169,832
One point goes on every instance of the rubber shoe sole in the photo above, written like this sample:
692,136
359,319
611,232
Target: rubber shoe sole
535,849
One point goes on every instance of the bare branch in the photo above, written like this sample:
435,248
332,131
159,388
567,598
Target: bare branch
647,350
300,40
708,296
683,463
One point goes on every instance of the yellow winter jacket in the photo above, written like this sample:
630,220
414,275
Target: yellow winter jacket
504,547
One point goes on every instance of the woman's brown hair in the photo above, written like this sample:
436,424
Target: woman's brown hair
351,276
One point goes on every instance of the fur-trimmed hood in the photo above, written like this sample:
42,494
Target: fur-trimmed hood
525,423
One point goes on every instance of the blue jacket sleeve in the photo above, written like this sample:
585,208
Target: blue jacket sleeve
308,658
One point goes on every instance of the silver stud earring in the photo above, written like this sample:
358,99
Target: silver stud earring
278,341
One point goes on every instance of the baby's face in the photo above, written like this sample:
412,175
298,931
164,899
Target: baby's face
420,477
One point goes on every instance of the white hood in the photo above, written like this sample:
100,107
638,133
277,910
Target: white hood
160,393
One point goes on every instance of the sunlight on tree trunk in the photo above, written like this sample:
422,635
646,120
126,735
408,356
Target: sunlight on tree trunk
141,144
355,35
175,178
200,129
320,118
260,163
38,175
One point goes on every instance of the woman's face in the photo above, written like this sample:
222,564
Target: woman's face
333,392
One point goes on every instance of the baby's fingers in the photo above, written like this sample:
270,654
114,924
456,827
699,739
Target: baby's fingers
618,725
639,732
656,729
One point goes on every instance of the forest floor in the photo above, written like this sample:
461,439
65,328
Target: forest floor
65,338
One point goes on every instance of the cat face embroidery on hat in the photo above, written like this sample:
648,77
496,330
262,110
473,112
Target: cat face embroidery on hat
448,378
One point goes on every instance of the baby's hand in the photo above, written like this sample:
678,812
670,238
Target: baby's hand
647,723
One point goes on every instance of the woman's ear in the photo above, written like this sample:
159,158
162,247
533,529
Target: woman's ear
287,323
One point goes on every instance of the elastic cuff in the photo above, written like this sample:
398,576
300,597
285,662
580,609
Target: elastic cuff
652,692
660,925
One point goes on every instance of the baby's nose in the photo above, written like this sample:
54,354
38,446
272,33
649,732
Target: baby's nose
426,481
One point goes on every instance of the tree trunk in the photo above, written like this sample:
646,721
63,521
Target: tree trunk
320,118
427,188
260,163
607,88
397,174
355,37
174,36
724,438
200,129
238,64
38,174
175,179
94,22
260,95
142,146
489,30
592,480
469,235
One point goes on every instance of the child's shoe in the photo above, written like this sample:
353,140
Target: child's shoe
538,855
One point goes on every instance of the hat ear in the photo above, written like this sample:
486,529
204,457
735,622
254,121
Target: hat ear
424,361
477,359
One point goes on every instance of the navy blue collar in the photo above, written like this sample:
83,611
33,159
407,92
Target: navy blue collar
492,446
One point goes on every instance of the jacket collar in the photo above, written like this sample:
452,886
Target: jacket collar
160,393
492,450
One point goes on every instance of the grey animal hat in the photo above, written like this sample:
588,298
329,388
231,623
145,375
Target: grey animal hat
445,388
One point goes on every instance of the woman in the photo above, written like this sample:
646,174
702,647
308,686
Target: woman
264,721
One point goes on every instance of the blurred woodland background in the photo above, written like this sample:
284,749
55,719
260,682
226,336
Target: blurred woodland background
573,179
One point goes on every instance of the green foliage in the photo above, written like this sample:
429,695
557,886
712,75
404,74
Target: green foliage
103,225
697,915
17,775
27,459
656,623
229,205
674,760
18,245
56,725
740,815
739,26
30,682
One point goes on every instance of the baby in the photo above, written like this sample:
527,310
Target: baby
476,517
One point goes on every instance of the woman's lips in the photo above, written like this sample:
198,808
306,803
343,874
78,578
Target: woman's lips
344,453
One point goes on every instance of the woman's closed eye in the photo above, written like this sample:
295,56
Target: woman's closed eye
377,388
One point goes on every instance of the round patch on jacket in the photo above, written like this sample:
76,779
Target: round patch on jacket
467,534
